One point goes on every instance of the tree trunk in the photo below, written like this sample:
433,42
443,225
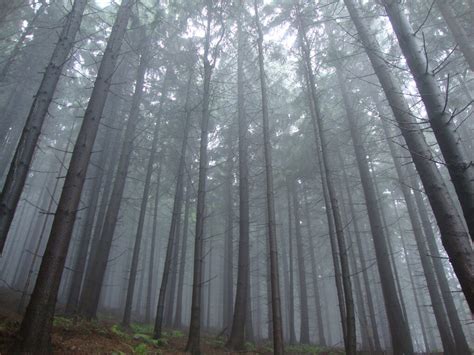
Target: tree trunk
399,330
363,264
237,336
92,205
228,275
144,203
27,32
458,32
154,238
455,239
178,323
348,315
304,314
35,330
449,343
267,149
459,337
93,283
194,338
291,301
461,169
176,215
23,156
317,298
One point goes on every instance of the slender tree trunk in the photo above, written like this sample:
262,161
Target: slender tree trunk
348,319
144,203
228,274
460,35
454,237
154,238
304,323
362,260
92,205
411,276
317,298
23,156
291,301
274,279
461,169
93,283
399,330
194,339
174,227
460,340
27,32
182,265
237,335
170,303
35,330
449,343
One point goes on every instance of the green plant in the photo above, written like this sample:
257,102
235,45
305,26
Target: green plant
141,349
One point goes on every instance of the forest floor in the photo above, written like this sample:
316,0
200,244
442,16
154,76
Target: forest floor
106,336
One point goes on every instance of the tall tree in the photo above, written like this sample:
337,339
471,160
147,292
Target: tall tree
23,156
93,280
461,169
237,336
209,61
35,329
146,191
400,333
278,347
454,236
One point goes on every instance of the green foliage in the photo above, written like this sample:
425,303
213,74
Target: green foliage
63,322
115,329
141,349
142,328
249,346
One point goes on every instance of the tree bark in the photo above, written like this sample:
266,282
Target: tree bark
35,330
455,238
317,298
458,32
278,347
144,203
237,336
461,169
291,301
23,156
304,314
178,323
194,338
399,330
348,319
93,283
450,344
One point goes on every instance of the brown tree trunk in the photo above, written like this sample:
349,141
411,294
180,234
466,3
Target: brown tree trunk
35,330
23,156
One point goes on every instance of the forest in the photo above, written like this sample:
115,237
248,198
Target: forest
237,176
